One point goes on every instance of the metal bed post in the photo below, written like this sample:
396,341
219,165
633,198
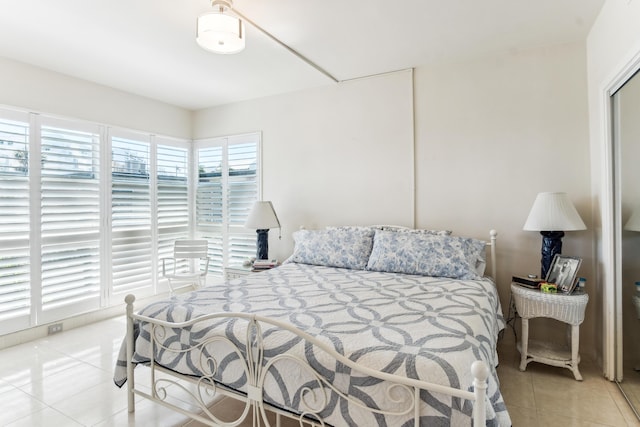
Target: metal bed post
493,236
129,299
480,373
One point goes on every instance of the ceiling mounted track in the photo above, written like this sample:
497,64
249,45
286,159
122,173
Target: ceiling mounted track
222,31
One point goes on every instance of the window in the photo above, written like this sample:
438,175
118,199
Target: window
228,184
83,216
15,289
87,212
70,218
131,240
172,195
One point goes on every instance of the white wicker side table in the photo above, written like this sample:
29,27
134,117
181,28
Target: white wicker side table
569,309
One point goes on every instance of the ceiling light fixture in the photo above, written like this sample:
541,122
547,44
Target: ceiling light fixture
219,31
222,31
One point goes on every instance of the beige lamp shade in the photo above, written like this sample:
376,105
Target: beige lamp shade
553,212
262,216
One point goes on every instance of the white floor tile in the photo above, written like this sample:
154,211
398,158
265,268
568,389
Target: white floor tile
62,385
93,405
25,363
17,404
46,417
147,413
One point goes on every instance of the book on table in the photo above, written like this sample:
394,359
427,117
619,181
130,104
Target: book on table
527,282
264,264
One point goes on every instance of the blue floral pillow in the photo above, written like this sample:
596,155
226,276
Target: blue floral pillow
336,247
425,254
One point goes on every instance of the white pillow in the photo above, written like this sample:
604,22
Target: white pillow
425,254
335,247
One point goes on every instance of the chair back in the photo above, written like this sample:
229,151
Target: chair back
184,249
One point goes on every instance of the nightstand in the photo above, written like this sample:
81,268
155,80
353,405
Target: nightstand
569,309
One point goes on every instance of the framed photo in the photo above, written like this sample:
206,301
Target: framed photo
563,272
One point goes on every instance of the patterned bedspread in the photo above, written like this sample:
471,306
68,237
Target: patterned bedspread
421,327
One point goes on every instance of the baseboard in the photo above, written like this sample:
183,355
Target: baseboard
42,331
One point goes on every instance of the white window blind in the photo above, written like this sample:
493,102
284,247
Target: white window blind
15,289
173,196
242,192
228,184
209,203
131,247
84,216
70,219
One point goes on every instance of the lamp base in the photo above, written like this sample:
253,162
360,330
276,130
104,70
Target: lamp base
551,245
262,245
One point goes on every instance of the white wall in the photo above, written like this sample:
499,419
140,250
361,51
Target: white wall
336,155
43,91
493,132
614,40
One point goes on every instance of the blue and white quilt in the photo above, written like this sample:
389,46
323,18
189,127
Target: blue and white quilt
416,326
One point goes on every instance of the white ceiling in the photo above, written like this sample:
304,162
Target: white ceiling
147,47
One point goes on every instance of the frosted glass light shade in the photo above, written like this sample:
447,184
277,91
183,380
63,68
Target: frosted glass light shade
553,212
262,217
220,33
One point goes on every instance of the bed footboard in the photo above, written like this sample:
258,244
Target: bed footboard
260,372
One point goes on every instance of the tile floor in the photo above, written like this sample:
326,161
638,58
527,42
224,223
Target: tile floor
549,396
631,384
65,380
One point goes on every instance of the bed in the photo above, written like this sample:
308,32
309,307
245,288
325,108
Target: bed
372,326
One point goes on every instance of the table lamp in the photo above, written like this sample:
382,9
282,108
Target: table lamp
262,217
552,214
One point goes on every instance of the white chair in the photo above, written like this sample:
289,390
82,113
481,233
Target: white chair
186,263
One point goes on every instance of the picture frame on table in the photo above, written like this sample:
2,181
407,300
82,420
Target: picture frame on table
563,272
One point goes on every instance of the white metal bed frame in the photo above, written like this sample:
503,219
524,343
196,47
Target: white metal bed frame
256,370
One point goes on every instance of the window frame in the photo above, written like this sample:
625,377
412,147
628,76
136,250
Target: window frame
89,303
224,142
22,318
33,314
185,224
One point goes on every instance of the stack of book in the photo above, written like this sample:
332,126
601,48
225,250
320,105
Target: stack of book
527,282
264,264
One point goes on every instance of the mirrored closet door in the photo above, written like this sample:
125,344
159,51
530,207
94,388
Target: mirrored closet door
626,137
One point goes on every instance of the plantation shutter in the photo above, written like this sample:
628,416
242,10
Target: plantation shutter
228,185
85,216
242,192
131,246
70,219
209,203
15,289
173,197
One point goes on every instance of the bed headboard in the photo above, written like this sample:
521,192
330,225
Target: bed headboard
493,237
